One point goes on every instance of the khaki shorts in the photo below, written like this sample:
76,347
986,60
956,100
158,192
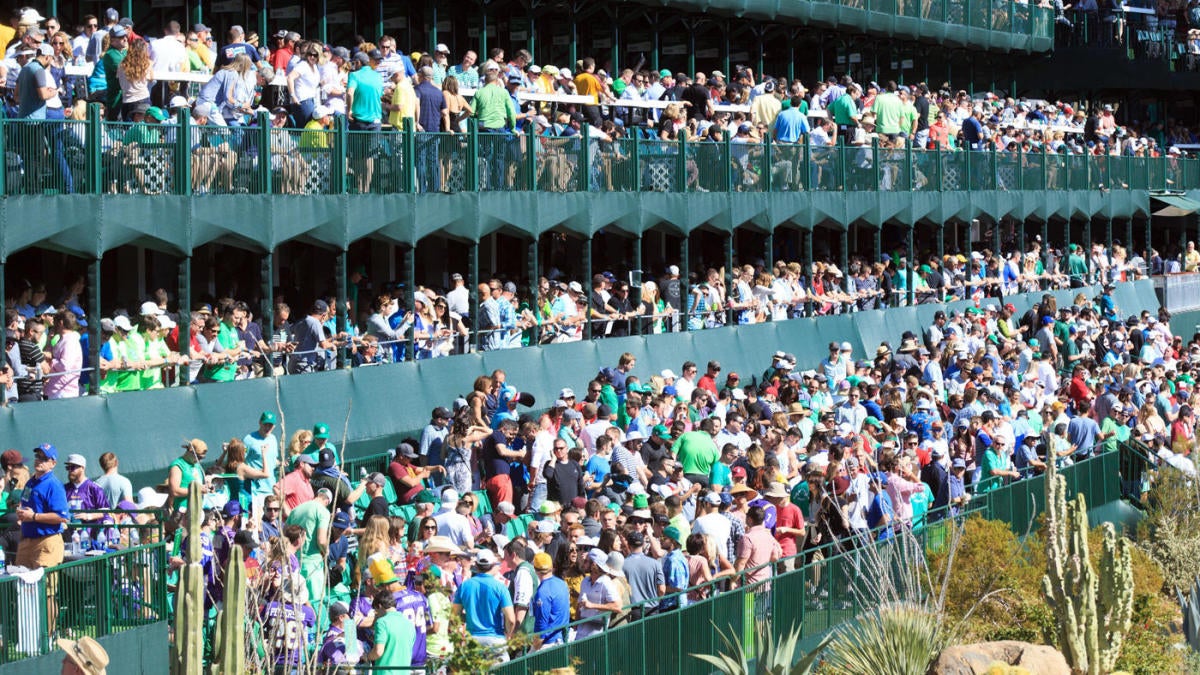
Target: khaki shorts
40,551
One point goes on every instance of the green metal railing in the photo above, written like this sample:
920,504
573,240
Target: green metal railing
663,643
91,156
94,596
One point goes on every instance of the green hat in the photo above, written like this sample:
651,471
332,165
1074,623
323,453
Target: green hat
641,502
267,417
873,422
320,430
673,533
926,269
661,431
664,73
426,497
156,113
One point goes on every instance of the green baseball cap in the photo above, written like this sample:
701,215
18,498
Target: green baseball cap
320,430
267,417
664,73
157,114
661,431
641,502
426,497
672,532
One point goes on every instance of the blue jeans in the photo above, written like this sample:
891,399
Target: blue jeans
497,154
56,135
429,169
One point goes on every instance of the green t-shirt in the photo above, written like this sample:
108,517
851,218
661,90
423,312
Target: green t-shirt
991,461
888,113
142,134
398,635
1110,425
228,339
154,349
188,472
313,516
920,503
122,380
366,88
844,110
1077,266
908,117
720,475
696,452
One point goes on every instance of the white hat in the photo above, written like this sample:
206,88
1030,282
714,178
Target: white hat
566,392
449,498
151,308
441,49
321,111
673,269
149,498
76,460
166,322
575,287
30,15
667,374
546,526
485,559
178,102
564,73
738,394
846,347
121,321
634,435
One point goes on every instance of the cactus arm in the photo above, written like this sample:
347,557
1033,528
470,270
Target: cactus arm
189,597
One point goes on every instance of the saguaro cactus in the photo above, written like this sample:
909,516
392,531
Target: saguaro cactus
229,641
188,651
1092,611
1190,606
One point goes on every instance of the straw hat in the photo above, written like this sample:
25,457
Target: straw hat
87,654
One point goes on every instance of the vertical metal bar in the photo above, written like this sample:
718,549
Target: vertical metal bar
1046,245
473,136
726,162
410,156
473,290
996,236
585,166
808,260
340,134
95,151
4,126
875,162
94,325
410,282
534,278
685,269
769,250
877,243
937,154
587,285
3,398
531,149
341,274
844,259
1087,247
768,175
183,153
264,151
731,318
681,165
184,291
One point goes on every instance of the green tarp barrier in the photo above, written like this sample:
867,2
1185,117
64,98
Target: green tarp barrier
146,428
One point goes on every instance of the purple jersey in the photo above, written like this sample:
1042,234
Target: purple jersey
285,630
415,608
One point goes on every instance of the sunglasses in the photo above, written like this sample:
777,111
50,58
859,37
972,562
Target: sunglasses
271,509
429,527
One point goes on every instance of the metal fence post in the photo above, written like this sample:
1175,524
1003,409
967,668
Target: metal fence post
409,162
95,150
531,157
473,155
585,165
681,165
264,153
340,134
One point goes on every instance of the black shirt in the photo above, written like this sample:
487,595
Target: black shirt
564,481
698,96
377,507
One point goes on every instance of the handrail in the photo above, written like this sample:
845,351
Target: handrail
178,158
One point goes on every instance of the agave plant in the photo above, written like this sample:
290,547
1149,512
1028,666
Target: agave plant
777,658
895,639
1190,605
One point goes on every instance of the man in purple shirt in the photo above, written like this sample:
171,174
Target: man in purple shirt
82,493
413,605
333,649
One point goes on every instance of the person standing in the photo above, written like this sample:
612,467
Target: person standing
83,495
364,103
432,117
486,607
551,607
262,453
395,635
183,471
313,516
42,513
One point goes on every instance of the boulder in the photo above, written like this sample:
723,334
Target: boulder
976,659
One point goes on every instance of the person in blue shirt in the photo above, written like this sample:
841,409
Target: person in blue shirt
486,606
675,569
880,513
551,603
42,513
791,124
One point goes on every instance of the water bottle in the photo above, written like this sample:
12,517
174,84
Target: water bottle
3,564
350,634
134,537
85,542
75,545
101,542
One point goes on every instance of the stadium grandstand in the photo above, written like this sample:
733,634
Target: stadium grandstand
578,328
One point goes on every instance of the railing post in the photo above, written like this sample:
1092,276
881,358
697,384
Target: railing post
681,165
937,149
908,169
995,169
685,271
844,153
1020,170
726,161
340,134
183,154
264,153
637,163
531,161
95,149
473,160
185,318
587,286
409,147
1045,170
807,178
4,125
93,286
768,174
585,168
875,163
968,160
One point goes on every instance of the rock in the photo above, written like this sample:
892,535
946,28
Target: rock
976,659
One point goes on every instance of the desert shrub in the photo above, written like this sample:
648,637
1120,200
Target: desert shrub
1170,532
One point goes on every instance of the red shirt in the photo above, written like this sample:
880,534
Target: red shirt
296,489
1078,390
708,383
788,515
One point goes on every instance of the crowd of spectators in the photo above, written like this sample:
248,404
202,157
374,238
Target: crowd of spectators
304,85
47,343
645,492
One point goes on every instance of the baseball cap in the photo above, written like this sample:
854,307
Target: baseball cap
378,479
11,458
341,521
441,49
542,562
406,450
267,417
76,460
320,430
48,451
441,413
232,509
485,559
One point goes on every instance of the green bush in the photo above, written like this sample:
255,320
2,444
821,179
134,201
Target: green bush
1170,532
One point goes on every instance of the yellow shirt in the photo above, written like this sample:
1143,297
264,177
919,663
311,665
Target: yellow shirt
404,100
586,84
314,136
7,33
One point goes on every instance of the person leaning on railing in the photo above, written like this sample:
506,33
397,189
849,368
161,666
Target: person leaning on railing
43,513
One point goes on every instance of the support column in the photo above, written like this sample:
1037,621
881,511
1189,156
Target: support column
1087,247
587,286
769,250
410,282
807,271
473,290
877,244
1129,237
685,271
844,260
1046,249
997,241
342,278
636,300
3,394
912,263
941,246
184,293
1108,234
93,274
266,309
730,275
1149,244
533,289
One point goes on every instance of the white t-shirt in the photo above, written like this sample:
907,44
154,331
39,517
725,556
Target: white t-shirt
543,452
456,526
715,526
602,591
168,55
